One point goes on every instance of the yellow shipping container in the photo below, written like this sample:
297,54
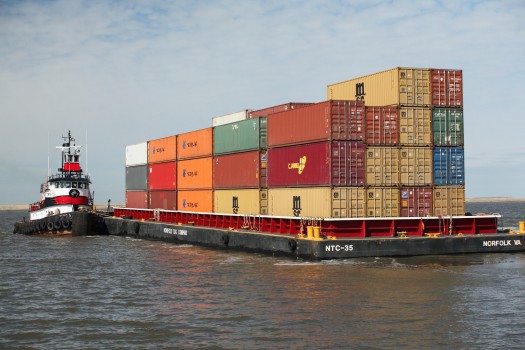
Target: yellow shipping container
300,201
449,200
398,86
241,201
415,128
195,144
416,166
195,173
162,150
348,202
382,166
382,202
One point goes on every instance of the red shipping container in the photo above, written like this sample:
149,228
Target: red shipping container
348,163
329,120
416,201
280,108
382,126
137,199
162,176
240,170
447,87
163,200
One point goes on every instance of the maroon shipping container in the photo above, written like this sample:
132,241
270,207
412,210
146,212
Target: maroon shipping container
240,170
162,176
137,199
329,120
280,108
416,201
447,88
382,126
163,200
348,163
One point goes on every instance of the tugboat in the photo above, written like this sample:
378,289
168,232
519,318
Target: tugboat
62,195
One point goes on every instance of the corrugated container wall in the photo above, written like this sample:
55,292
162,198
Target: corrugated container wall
382,166
382,202
447,88
162,150
382,126
162,176
447,126
240,170
195,174
348,163
329,120
300,201
137,178
163,200
449,200
280,108
398,86
195,200
416,201
230,118
240,201
415,166
137,199
195,144
415,126
449,166
348,202
137,154
246,135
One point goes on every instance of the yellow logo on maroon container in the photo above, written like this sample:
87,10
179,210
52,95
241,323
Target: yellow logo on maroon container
299,166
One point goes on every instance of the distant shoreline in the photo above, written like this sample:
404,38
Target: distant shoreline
104,206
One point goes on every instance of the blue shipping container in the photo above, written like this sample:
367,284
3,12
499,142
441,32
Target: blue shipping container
449,166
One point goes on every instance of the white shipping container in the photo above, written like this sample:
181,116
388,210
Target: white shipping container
231,118
137,154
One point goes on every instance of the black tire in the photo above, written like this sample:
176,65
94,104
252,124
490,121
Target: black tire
49,225
57,225
66,223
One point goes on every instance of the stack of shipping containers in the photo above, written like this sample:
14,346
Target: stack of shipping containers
162,173
137,175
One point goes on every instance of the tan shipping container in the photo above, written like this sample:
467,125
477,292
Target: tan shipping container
241,201
200,201
162,150
348,202
195,144
449,200
398,86
195,173
382,202
382,166
300,201
416,166
415,126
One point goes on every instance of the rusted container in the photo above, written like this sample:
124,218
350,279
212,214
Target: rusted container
137,178
300,202
195,144
195,200
382,202
241,201
329,120
447,126
195,174
416,201
163,200
382,126
382,166
280,108
347,163
398,86
449,200
230,118
415,126
137,154
348,202
299,165
449,166
245,135
415,166
162,176
162,150
137,199
447,88
240,170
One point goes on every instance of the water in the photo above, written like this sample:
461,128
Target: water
115,292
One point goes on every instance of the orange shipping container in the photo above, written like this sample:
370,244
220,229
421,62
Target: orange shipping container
162,150
195,200
195,173
195,144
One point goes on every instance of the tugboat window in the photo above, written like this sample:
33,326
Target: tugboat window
74,185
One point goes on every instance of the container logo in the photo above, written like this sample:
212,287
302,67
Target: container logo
183,144
299,166
360,92
296,206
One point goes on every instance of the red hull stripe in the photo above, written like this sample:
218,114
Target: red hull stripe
70,200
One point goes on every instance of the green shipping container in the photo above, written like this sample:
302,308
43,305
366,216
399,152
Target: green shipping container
447,126
241,136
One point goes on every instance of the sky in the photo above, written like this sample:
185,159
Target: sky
118,73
